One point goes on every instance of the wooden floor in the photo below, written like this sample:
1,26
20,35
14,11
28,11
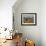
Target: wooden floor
16,41
9,43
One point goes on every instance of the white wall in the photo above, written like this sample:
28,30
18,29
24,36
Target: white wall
31,32
6,16
43,22
6,13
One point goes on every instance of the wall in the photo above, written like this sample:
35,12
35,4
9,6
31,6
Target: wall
6,16
29,32
6,13
43,22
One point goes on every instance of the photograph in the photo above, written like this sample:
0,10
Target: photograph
28,18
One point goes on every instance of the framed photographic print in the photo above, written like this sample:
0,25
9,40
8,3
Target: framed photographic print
28,18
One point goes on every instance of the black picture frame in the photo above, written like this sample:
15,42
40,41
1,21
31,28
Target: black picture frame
29,19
